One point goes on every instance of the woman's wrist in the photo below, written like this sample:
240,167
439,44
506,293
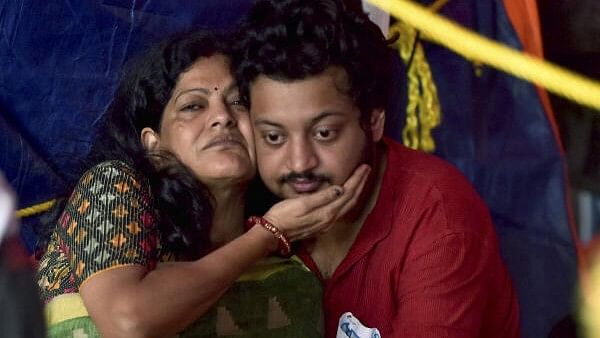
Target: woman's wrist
271,244
282,243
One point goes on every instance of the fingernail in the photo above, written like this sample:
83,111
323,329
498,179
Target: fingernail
337,191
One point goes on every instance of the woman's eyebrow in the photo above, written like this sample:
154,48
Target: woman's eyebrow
205,91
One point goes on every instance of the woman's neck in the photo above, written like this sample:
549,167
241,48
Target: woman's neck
228,218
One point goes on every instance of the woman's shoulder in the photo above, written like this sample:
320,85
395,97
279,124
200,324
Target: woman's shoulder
113,168
112,173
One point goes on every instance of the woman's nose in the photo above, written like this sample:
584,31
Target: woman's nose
222,117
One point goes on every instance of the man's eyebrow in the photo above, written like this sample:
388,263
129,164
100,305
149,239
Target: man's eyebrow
325,115
231,88
314,120
262,121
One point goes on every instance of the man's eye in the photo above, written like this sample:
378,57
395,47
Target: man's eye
236,102
325,134
273,137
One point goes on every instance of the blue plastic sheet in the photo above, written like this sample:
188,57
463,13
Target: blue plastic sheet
60,62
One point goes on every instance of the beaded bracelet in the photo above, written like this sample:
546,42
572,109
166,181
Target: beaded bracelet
284,243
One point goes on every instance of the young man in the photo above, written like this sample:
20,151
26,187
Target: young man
419,256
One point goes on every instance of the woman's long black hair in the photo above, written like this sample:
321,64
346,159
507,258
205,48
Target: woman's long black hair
182,204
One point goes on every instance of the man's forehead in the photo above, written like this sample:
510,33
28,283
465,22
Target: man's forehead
307,120
337,73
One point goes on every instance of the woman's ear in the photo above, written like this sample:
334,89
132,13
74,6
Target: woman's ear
377,123
150,139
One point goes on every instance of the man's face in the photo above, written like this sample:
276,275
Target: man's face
308,133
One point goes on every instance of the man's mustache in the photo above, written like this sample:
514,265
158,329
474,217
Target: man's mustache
308,176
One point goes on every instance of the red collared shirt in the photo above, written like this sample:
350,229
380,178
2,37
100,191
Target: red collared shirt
426,262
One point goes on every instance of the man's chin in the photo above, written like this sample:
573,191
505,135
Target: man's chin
290,192
293,194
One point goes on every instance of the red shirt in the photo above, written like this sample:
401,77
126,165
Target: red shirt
426,262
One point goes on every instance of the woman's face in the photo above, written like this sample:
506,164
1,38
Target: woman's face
205,125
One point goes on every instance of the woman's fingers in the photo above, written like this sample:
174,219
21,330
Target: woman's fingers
356,181
299,216
320,198
321,219
352,189
334,197
307,215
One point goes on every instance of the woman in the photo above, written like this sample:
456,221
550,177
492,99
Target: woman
151,237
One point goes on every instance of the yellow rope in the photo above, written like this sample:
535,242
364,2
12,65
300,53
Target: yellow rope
478,48
436,6
423,112
35,209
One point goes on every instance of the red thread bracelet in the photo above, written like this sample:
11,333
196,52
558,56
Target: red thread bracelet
284,244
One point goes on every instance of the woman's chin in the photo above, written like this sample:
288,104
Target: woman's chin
223,179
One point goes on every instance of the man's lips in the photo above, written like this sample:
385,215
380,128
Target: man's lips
304,185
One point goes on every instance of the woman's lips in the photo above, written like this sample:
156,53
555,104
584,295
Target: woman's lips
225,141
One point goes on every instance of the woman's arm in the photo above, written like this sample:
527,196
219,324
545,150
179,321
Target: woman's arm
129,301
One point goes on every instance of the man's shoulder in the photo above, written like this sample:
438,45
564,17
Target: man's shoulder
423,185
421,169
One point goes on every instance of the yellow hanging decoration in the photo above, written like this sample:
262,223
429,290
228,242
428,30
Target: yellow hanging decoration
423,112
475,47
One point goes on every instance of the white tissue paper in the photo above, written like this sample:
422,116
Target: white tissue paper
350,327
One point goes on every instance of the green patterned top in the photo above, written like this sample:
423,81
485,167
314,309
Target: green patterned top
109,222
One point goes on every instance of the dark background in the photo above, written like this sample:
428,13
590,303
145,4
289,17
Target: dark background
571,35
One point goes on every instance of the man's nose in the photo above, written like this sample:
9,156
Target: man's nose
302,156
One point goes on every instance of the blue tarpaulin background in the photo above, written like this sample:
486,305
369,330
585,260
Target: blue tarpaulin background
60,62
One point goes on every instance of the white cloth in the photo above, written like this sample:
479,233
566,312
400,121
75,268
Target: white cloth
350,327
378,16
8,224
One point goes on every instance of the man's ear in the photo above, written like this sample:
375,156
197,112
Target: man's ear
377,124
150,139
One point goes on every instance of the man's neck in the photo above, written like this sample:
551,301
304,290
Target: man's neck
328,250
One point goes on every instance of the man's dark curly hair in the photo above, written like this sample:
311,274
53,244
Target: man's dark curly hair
295,39
182,204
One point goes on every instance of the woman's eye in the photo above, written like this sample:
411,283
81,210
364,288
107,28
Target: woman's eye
273,137
192,107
